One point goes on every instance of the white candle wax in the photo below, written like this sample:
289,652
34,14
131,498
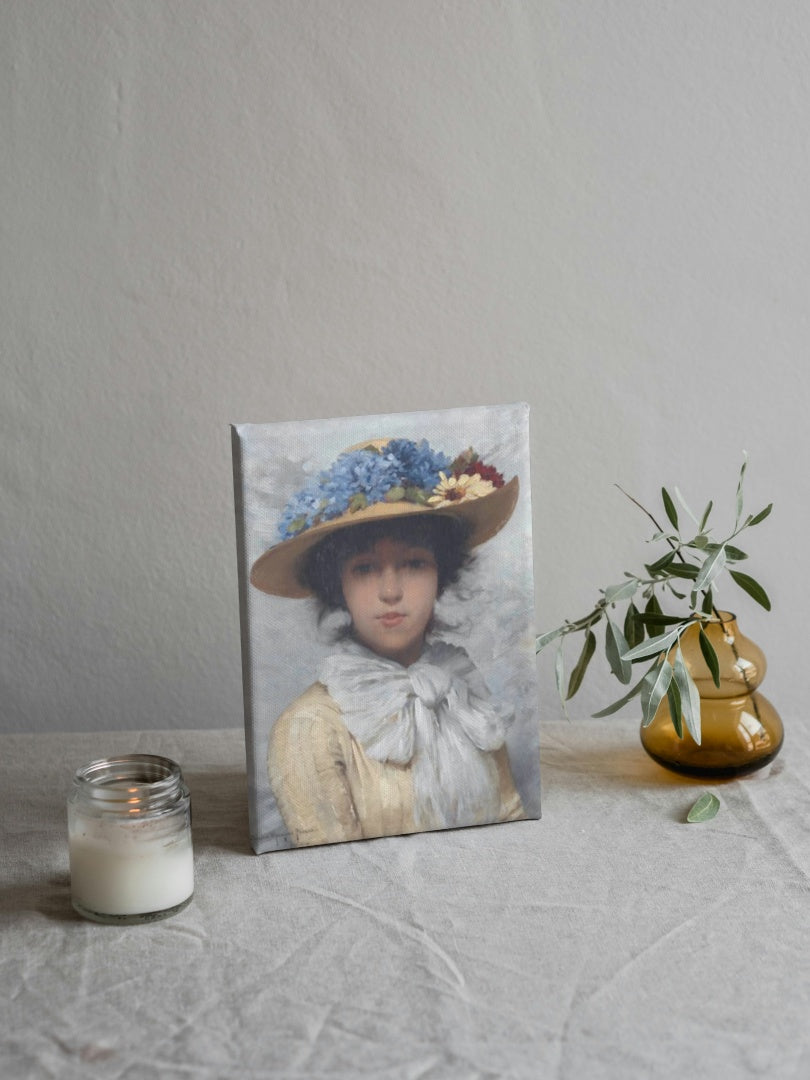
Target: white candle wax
129,867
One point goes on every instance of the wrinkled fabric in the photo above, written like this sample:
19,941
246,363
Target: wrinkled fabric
609,939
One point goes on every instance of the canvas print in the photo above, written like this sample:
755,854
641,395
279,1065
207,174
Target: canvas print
386,601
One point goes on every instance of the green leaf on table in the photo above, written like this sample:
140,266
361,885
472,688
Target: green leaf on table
710,656
704,809
615,648
669,507
577,675
654,686
690,698
752,587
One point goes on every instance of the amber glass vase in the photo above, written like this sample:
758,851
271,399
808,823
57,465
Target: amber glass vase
740,729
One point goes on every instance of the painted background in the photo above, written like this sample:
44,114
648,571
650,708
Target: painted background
265,211
490,610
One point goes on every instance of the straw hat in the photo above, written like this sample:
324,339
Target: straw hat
467,489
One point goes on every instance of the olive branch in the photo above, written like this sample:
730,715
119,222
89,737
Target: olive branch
694,564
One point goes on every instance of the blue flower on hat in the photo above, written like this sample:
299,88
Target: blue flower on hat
363,477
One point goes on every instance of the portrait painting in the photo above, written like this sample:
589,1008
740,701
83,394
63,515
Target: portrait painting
387,624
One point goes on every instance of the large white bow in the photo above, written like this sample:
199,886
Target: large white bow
437,714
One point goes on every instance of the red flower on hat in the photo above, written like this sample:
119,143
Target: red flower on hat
486,472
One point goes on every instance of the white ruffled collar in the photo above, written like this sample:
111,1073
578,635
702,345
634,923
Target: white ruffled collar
436,715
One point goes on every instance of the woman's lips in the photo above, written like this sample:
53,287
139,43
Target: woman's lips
391,618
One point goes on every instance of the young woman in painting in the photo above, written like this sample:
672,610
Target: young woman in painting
399,733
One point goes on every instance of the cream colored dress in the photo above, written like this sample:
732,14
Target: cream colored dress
410,749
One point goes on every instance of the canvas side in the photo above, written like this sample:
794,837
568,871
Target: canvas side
244,619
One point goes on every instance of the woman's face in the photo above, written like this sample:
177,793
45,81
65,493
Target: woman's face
390,591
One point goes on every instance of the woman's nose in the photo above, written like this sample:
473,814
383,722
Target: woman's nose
390,584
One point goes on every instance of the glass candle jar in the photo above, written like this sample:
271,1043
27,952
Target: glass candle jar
129,836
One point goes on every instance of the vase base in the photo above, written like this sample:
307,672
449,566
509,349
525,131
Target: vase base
716,772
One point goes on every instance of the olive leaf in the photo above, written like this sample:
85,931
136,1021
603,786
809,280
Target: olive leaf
684,570
615,648
740,489
690,698
577,675
653,688
654,645
704,520
733,554
684,504
752,587
547,638
660,564
710,656
633,628
704,809
711,568
674,702
755,520
669,507
624,591
660,620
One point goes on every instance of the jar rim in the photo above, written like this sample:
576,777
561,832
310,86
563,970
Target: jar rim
150,781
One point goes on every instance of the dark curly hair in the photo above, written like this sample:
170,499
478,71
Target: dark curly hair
444,535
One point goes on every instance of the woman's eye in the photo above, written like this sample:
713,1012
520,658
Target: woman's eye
421,562
361,569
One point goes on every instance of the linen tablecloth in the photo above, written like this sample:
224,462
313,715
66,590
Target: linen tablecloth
609,939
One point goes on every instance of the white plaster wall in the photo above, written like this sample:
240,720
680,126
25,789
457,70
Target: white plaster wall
253,211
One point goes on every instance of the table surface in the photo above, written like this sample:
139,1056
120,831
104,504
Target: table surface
609,939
